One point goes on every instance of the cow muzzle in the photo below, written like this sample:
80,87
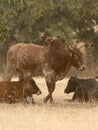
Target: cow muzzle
39,92
83,67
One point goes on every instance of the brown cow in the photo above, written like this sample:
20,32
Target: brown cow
16,91
52,60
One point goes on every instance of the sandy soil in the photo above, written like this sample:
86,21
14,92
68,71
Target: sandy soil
61,115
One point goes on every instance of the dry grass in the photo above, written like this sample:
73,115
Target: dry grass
61,115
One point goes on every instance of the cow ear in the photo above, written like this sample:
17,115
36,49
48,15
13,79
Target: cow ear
29,77
74,77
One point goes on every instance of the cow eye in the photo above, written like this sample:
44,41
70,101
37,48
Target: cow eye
32,82
75,56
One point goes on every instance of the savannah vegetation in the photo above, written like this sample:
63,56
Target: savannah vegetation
34,20
61,115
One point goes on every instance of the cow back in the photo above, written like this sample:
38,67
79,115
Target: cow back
26,57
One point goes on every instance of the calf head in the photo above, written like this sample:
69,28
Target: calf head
72,84
31,87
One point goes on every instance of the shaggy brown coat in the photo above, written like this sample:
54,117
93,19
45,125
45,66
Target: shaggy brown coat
16,91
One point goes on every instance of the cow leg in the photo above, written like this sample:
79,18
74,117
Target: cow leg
51,88
29,99
11,99
77,95
32,99
9,72
22,76
90,96
10,96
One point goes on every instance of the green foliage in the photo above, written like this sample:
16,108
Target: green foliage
17,18
70,19
26,20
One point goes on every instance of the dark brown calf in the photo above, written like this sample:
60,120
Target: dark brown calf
84,89
17,91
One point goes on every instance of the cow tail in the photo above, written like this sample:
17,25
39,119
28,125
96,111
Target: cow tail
23,95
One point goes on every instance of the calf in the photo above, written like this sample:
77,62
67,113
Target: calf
17,91
84,89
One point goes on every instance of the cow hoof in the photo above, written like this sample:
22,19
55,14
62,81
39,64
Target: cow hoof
45,100
33,102
51,101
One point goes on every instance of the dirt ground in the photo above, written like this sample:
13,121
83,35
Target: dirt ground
61,115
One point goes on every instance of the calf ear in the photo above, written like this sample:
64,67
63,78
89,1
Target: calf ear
29,77
74,77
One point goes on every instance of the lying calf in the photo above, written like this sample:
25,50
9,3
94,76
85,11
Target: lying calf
84,89
17,91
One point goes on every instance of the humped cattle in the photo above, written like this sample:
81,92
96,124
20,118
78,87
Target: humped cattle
52,60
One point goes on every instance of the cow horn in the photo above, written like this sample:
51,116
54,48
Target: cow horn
70,47
81,47
81,43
